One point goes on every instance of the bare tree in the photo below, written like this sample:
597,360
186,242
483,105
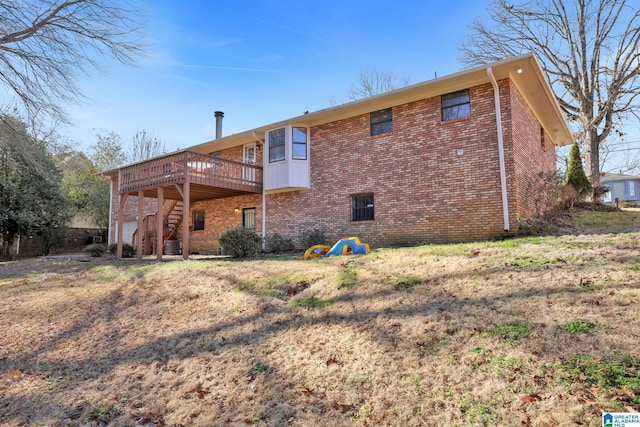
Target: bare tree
144,146
621,156
590,50
107,153
374,82
46,44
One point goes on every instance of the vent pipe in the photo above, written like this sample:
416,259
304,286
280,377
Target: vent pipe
218,115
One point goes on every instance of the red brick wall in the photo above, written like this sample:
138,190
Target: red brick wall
219,216
424,190
432,181
533,154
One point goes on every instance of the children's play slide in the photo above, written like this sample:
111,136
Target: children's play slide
345,246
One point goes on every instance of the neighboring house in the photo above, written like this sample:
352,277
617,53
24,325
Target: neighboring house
624,188
82,231
431,162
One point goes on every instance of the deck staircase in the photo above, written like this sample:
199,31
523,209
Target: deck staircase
172,218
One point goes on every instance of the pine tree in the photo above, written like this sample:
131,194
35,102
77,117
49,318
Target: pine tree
575,173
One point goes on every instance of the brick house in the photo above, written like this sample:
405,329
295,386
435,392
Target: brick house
431,162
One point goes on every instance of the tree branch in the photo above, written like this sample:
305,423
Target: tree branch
46,44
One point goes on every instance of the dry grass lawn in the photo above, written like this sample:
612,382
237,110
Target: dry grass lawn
538,331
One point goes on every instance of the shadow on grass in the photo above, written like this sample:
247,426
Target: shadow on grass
274,318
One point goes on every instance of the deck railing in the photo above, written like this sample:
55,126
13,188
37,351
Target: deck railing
202,169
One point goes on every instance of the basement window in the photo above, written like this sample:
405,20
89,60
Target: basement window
362,207
456,105
198,220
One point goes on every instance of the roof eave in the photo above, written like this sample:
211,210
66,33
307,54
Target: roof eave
531,82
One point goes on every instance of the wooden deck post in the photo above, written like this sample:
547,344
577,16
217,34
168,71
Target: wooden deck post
186,217
160,224
212,177
123,200
141,231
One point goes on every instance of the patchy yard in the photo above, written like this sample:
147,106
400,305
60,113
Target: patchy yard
526,332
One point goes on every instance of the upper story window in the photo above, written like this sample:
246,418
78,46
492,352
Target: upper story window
456,105
299,142
290,142
276,145
381,122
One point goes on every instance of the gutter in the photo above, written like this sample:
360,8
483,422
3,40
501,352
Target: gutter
503,174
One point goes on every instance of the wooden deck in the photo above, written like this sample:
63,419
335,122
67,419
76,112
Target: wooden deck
210,177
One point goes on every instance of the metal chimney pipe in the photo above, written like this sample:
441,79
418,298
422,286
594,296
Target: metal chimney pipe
218,115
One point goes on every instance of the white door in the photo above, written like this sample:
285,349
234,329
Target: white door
128,228
249,174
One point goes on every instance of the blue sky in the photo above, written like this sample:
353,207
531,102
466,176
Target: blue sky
263,61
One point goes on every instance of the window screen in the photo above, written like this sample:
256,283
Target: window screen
249,218
362,207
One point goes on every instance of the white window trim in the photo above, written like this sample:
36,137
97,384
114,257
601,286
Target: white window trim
288,144
268,146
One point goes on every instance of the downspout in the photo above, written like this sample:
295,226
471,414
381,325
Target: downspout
264,196
264,217
503,174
